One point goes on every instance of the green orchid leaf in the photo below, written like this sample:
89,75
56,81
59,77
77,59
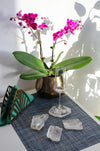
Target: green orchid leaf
98,117
32,75
45,65
53,64
58,58
74,63
30,61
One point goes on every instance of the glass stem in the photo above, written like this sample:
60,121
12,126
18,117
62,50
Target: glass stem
59,100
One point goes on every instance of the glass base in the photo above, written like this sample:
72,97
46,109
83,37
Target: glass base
59,111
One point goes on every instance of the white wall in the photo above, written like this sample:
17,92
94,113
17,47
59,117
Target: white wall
83,84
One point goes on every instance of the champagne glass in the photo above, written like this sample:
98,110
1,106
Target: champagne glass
60,86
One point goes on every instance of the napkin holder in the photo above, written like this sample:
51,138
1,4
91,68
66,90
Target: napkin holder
14,102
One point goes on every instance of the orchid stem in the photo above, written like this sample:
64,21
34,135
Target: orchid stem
33,33
41,52
53,51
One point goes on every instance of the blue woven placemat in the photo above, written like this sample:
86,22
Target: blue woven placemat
71,140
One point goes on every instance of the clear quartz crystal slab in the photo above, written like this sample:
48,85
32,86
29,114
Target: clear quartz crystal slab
73,124
38,121
54,133
60,111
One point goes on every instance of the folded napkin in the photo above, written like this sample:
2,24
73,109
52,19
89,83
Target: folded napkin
15,101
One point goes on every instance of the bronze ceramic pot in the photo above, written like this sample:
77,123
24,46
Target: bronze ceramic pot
45,87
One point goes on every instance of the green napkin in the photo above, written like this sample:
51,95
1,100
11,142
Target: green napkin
16,102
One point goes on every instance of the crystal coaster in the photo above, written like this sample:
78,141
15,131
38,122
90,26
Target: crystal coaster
74,124
38,121
54,133
59,111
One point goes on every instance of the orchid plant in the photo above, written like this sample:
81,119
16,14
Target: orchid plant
40,67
